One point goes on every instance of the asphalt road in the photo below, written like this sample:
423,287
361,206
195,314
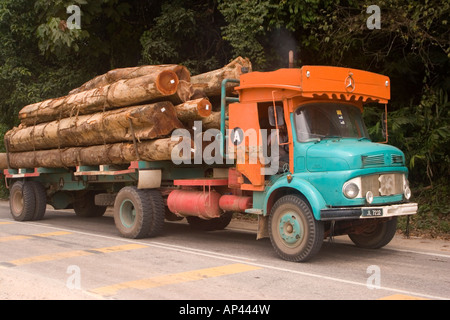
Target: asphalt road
67,257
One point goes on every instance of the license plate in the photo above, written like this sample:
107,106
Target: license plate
372,212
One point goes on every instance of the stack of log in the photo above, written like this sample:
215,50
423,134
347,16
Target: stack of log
124,115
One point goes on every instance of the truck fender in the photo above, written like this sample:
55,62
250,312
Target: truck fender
298,186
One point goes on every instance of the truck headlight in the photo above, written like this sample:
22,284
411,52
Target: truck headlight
351,189
369,197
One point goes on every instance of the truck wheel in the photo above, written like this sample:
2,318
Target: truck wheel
41,199
294,232
375,236
22,201
139,213
84,205
212,224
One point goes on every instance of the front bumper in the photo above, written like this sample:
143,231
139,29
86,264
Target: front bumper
346,213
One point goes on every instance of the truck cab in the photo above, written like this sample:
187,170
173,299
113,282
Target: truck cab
329,177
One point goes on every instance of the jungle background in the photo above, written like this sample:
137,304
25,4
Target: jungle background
41,58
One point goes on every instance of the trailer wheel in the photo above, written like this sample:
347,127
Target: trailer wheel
139,213
84,205
41,199
376,236
220,223
294,232
22,201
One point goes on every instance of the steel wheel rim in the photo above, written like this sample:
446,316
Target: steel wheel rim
291,229
127,213
17,203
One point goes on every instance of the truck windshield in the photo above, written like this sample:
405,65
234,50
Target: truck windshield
329,120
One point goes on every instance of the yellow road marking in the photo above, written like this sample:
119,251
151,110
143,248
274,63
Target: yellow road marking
14,238
52,234
175,278
4,222
401,297
76,253
41,235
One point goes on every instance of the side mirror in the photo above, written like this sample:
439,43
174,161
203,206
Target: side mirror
280,115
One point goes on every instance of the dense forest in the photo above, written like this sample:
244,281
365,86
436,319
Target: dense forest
44,55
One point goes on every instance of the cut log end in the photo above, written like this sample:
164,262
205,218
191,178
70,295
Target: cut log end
204,108
167,82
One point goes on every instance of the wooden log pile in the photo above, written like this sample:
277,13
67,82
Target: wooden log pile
124,115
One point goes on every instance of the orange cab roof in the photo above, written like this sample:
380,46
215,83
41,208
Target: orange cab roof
321,81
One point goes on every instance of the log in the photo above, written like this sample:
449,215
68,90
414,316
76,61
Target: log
119,94
184,93
193,110
3,161
212,122
210,82
114,75
144,122
110,154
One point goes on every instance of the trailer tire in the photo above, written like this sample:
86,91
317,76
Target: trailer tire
294,232
41,199
377,236
158,212
220,223
84,205
139,213
22,201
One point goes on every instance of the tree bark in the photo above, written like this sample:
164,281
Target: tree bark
211,82
114,75
144,122
213,122
119,153
119,94
3,161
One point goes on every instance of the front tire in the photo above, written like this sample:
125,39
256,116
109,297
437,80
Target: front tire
376,236
294,232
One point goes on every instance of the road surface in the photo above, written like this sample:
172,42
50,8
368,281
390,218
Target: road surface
67,257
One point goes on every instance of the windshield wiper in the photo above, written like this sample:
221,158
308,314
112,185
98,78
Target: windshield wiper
330,137
364,138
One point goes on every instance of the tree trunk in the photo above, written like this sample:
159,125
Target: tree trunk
211,82
119,153
119,94
144,122
213,122
3,161
114,75
184,93
193,110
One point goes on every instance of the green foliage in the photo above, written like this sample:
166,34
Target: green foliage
246,28
186,33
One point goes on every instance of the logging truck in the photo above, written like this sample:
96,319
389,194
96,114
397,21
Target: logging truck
291,149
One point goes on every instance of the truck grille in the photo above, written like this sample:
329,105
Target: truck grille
383,184
397,159
370,161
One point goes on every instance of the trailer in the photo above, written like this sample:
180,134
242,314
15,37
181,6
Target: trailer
292,149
